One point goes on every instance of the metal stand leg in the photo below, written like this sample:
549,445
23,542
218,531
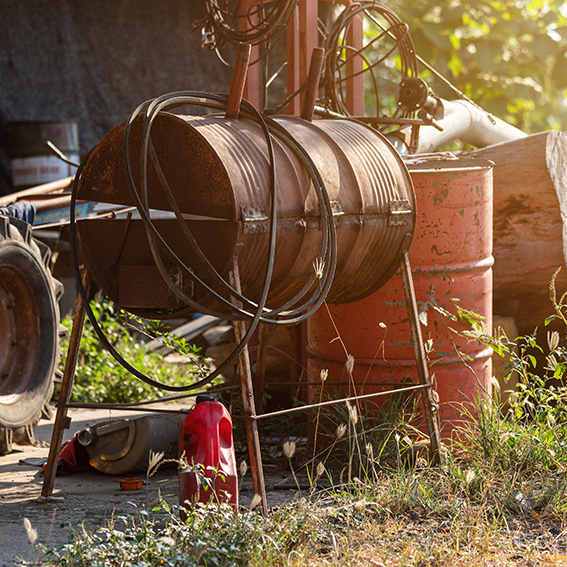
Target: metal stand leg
249,406
62,421
421,361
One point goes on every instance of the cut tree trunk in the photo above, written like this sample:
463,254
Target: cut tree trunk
530,213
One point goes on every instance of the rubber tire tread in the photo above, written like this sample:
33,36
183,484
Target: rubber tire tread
19,250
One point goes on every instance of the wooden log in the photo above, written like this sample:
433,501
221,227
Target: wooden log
530,200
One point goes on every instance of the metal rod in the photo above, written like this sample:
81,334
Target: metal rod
248,405
312,87
118,407
238,80
149,402
334,402
62,421
420,358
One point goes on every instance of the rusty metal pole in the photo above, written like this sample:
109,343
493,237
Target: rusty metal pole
312,86
248,405
355,67
62,421
238,80
420,358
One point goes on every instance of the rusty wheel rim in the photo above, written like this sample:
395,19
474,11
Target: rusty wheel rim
20,336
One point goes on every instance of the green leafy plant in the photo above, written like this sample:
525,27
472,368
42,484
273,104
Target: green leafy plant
100,378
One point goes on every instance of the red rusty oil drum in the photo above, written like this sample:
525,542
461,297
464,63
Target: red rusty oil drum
451,259
218,171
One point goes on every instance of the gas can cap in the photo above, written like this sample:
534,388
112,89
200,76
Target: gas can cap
206,398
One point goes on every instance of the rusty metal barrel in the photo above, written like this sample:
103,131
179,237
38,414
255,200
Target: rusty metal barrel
218,172
451,259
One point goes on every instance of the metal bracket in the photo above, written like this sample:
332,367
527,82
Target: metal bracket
400,213
255,219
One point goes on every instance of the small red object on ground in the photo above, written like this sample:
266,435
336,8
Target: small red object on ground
131,483
206,441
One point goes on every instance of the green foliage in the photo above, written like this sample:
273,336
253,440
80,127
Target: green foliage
100,378
213,535
509,56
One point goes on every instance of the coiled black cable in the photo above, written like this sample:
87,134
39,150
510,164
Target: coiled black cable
264,23
293,311
339,53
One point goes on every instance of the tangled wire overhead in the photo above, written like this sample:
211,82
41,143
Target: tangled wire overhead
391,35
260,23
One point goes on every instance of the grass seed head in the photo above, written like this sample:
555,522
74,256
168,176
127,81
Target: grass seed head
243,468
289,449
369,451
32,532
495,384
341,430
324,374
353,414
320,469
552,340
256,501
154,459
349,364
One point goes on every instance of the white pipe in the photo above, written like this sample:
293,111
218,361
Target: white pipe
462,120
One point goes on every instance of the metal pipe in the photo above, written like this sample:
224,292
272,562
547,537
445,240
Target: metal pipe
462,120
255,418
312,87
238,80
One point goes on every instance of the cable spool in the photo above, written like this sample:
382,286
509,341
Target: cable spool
307,210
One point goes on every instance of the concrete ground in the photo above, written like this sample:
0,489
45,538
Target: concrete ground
89,498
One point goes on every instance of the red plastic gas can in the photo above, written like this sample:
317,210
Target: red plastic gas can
206,441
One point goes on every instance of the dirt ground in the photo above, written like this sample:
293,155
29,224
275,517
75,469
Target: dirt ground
89,498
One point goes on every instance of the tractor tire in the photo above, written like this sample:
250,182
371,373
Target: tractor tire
29,332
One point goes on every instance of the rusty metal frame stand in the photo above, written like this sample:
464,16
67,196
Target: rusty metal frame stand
248,403
421,360
62,420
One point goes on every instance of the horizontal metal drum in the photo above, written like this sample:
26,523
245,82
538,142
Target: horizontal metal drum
219,173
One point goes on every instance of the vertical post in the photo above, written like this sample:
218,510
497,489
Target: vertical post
62,421
355,85
293,84
302,38
421,361
252,86
248,404
238,81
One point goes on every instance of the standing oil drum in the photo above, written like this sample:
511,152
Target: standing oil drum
451,259
32,163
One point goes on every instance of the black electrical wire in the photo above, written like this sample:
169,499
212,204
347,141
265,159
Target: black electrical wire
264,22
338,53
286,314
